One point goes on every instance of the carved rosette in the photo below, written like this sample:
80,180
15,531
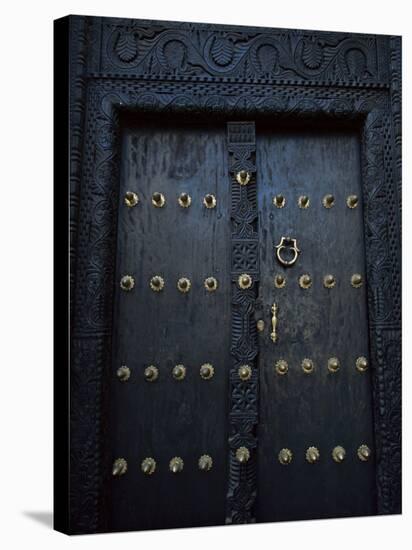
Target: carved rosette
243,396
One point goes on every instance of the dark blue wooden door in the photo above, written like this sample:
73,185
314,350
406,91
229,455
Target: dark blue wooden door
225,344
172,329
235,279
315,384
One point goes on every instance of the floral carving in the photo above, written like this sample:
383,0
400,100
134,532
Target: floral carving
170,49
356,64
312,54
329,74
222,51
243,398
268,59
173,55
126,47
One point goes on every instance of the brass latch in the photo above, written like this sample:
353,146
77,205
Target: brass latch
273,334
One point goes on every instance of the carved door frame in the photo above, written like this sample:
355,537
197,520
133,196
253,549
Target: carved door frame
238,73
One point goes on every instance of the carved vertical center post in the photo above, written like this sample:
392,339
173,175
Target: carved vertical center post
243,394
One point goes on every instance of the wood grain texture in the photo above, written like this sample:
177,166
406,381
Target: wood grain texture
120,66
322,409
170,418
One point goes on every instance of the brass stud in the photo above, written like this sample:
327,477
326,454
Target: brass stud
157,283
244,372
207,371
179,372
307,366
123,373
158,200
127,283
205,463
210,284
305,281
185,200
285,456
356,280
184,284
148,466
279,201
281,367
176,465
131,199
209,201
243,177
333,364
303,201
119,467
242,455
364,453
329,281
280,281
260,325
328,201
151,373
312,455
362,364
338,454
245,281
352,201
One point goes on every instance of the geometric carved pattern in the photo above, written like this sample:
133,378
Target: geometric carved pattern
245,256
243,395
236,71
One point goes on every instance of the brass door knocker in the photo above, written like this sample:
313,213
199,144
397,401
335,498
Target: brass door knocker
287,243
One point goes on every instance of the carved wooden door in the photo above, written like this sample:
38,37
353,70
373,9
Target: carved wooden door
316,442
241,273
171,353
235,282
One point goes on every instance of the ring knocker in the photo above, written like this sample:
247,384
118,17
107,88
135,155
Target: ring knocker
286,243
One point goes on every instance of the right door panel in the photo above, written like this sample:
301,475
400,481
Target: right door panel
315,385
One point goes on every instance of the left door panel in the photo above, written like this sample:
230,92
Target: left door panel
158,324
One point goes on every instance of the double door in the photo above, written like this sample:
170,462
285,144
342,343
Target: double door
240,386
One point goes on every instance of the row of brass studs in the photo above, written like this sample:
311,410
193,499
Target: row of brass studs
148,465
329,281
205,463
210,283
312,454
282,367
157,283
184,200
245,281
328,201
151,373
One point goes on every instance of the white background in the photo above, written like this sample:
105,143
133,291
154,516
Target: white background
26,272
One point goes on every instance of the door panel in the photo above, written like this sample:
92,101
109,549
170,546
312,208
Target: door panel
163,107
322,409
168,418
171,418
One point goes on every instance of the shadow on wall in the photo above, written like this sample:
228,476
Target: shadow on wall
44,518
